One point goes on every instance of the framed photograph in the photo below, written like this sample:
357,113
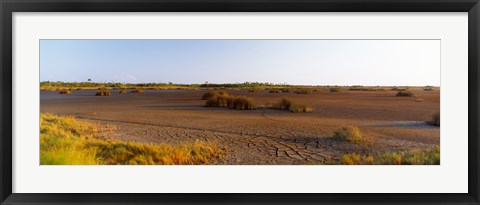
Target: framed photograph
252,102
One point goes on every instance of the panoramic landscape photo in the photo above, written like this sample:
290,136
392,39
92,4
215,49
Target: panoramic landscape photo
239,102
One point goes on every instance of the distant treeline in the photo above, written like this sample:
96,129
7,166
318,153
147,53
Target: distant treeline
49,85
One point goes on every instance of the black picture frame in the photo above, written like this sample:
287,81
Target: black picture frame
9,6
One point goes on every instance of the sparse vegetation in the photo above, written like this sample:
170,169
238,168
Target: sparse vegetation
122,91
65,91
405,94
350,134
428,88
303,91
67,141
137,90
334,90
286,104
103,93
410,157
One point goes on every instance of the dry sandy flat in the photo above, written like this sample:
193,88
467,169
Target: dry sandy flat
262,136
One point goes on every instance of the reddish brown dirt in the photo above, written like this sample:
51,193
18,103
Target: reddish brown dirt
262,136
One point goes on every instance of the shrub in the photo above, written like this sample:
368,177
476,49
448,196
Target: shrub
103,93
275,91
214,93
405,94
436,119
300,108
350,134
286,104
283,104
137,90
286,90
122,91
220,101
243,103
303,91
65,91
334,89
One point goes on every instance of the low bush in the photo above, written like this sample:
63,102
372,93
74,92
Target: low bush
405,94
334,89
137,90
65,91
234,102
350,134
303,91
428,88
300,108
286,104
243,103
103,93
275,91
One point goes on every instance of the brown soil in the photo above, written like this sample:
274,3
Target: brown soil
262,136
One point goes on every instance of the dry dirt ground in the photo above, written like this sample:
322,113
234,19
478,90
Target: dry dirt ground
262,136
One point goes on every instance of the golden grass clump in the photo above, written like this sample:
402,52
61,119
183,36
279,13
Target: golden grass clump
350,134
137,90
65,91
243,103
405,94
436,119
67,141
103,93
409,157
287,104
122,91
234,102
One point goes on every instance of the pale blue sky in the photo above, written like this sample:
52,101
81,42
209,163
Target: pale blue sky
300,62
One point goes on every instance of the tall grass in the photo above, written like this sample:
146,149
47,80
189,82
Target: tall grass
409,157
67,141
350,134
287,104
